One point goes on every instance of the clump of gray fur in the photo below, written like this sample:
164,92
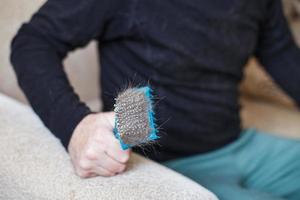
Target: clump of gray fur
132,110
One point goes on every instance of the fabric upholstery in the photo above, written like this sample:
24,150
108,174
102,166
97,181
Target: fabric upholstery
81,65
35,166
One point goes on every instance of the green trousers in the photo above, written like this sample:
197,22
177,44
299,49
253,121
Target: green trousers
258,166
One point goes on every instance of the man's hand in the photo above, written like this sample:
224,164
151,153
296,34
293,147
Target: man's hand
93,148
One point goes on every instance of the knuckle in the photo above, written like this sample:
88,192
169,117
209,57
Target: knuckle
98,137
91,154
108,173
118,168
82,174
83,164
113,168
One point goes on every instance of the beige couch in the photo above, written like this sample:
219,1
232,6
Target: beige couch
35,166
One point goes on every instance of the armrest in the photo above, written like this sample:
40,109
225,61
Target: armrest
34,165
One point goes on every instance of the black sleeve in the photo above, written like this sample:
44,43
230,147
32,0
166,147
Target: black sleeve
278,52
37,52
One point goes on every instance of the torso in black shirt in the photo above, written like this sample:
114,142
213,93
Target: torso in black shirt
191,53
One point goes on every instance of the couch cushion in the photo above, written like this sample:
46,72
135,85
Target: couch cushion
258,84
272,118
35,166
81,65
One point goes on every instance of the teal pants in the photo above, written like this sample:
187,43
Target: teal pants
258,166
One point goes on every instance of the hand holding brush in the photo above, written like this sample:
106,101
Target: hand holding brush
100,142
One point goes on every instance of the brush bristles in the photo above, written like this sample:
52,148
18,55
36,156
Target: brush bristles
132,116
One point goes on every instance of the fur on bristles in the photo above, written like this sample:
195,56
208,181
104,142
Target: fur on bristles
135,122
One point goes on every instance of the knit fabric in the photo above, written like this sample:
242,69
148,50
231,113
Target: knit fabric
191,52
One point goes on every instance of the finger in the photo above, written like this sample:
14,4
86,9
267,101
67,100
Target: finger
121,156
108,118
110,164
115,151
88,168
83,173
96,156
93,156
84,164
102,172
111,118
111,146
91,175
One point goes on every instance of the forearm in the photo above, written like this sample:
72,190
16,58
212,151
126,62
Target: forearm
40,74
277,50
284,67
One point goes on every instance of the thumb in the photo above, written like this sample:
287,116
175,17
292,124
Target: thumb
109,119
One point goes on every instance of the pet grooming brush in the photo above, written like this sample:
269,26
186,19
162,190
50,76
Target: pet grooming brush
134,124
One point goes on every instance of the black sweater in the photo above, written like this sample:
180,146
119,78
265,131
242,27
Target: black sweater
191,52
